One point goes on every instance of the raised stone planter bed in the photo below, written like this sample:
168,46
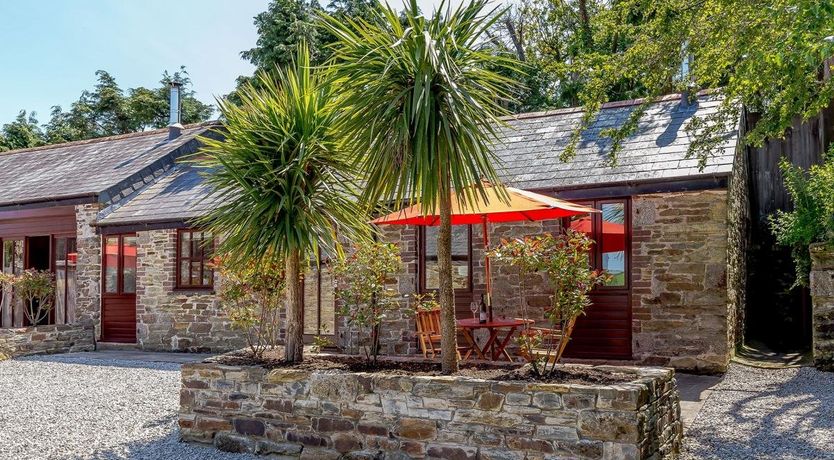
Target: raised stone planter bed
321,414
57,338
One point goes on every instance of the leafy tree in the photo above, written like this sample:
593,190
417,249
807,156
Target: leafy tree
285,24
22,133
285,177
106,110
767,55
253,296
555,40
362,287
564,261
423,107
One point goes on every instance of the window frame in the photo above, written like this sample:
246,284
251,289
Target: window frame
597,235
423,258
178,259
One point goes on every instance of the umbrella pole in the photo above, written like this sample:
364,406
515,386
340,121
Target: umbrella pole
487,268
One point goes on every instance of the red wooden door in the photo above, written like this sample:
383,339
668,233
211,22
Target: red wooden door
118,299
604,332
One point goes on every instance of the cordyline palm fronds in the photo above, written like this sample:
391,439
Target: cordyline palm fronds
284,178
423,100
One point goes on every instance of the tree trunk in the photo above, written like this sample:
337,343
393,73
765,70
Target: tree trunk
585,25
448,327
294,352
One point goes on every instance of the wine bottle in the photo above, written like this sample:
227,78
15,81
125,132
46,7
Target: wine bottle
482,317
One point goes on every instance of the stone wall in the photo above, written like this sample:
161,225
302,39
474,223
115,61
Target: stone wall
56,338
680,314
169,319
313,415
822,292
738,237
88,271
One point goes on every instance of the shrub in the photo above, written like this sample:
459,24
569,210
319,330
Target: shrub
361,287
812,219
36,288
253,296
564,261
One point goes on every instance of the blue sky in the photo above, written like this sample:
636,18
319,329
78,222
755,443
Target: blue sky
50,50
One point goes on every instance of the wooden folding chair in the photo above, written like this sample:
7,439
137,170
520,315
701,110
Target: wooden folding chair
428,333
546,336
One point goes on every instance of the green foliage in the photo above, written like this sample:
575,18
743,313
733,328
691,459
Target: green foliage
558,41
812,219
286,24
766,55
253,296
36,288
22,133
419,97
363,287
426,301
564,260
283,173
105,111
422,97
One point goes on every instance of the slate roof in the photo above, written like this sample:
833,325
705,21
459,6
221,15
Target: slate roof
176,197
103,169
529,157
533,142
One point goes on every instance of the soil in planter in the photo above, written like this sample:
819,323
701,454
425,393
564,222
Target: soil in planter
341,363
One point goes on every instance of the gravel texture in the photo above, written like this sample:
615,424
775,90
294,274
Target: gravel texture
58,407
765,414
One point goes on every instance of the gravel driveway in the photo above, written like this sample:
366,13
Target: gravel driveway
58,407
766,414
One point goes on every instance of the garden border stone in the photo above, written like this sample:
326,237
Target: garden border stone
327,414
55,338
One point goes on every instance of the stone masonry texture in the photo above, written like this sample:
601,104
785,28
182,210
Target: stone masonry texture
313,415
169,319
680,314
822,292
88,271
58,338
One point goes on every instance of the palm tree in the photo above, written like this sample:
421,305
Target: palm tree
422,98
284,179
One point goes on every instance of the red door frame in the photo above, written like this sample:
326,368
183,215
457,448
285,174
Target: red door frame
123,303
608,294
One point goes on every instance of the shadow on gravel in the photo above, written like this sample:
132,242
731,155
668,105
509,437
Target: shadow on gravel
792,419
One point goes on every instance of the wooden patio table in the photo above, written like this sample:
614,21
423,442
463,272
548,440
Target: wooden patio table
498,345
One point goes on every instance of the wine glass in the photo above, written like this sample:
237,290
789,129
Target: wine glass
474,307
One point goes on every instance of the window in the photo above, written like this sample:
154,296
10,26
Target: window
11,314
461,267
608,230
66,259
120,264
194,249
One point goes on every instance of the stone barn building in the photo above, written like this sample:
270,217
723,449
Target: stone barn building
111,218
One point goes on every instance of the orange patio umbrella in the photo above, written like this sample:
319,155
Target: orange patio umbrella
520,205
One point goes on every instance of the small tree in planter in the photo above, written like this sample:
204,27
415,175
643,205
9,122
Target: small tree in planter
361,287
563,259
253,296
36,289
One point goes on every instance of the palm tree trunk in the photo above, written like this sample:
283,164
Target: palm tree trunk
448,328
294,352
